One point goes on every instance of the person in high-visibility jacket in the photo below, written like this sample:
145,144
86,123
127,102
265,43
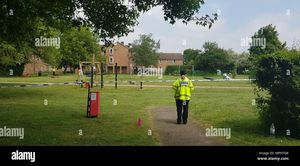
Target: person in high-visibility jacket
182,87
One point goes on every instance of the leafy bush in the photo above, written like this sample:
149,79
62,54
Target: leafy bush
175,70
17,70
278,91
172,70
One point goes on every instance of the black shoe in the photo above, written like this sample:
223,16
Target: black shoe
184,122
178,122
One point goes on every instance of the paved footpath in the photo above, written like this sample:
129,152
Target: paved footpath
172,134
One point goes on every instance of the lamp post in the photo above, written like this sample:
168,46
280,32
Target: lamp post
102,75
92,71
116,75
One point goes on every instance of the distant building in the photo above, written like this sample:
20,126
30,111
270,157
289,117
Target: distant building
121,55
170,59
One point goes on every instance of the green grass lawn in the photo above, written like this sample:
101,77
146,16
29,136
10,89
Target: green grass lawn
123,78
59,122
232,108
35,79
107,77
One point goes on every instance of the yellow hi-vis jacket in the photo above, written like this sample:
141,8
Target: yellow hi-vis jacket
183,88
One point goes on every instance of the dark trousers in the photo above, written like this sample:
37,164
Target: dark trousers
182,116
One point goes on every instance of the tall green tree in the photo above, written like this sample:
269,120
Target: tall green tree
78,45
265,41
241,61
145,51
277,79
50,54
214,58
11,58
109,18
189,56
276,72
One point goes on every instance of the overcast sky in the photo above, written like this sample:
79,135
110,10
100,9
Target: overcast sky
238,19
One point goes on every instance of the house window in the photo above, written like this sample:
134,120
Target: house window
111,51
111,60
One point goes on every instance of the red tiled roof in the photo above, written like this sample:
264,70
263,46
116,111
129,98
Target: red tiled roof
170,56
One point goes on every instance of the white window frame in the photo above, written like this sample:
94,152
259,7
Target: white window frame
111,51
111,60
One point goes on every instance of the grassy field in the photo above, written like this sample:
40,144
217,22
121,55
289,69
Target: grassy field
109,77
123,80
60,122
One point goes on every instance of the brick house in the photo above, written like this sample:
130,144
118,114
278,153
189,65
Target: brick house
121,55
170,59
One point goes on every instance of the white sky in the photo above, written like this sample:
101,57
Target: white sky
238,19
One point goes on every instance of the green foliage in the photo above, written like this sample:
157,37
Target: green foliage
145,51
214,58
9,54
17,69
20,20
10,58
175,70
278,93
172,70
188,69
184,10
78,45
50,54
273,44
241,62
23,21
189,56
109,18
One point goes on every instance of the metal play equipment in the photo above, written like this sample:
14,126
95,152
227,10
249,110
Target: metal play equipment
90,69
